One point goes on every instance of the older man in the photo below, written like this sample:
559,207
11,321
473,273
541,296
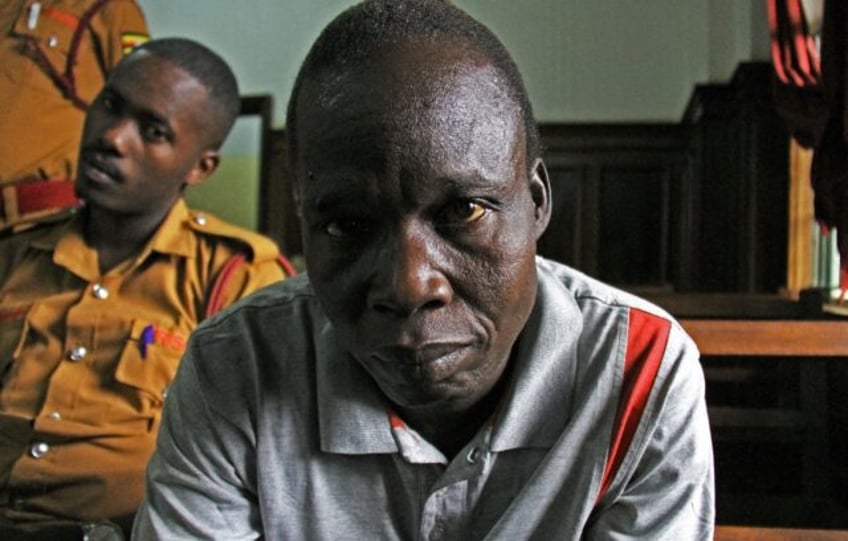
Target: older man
432,378
95,310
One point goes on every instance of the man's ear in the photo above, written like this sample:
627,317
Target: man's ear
540,191
203,169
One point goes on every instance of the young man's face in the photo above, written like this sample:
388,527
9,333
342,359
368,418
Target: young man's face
420,221
144,138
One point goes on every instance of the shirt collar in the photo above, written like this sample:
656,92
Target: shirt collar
351,410
70,250
353,414
538,405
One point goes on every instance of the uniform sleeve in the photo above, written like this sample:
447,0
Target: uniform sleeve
121,27
668,492
201,483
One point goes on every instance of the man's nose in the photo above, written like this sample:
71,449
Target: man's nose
118,134
409,277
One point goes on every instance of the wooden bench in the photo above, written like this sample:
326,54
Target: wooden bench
766,360
746,533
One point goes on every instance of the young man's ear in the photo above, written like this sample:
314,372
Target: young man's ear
540,191
203,169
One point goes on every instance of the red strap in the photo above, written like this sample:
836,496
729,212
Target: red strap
647,337
41,195
286,264
216,299
216,296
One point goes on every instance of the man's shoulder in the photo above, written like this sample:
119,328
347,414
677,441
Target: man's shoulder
291,297
259,247
587,290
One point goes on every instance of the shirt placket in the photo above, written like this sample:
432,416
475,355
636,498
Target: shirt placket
448,508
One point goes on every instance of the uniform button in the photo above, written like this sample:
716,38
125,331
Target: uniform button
78,353
200,219
164,393
473,455
100,292
55,415
52,41
39,449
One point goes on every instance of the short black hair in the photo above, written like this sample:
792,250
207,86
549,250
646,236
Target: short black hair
365,28
209,69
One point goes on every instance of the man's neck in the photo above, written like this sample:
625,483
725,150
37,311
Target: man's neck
117,237
451,431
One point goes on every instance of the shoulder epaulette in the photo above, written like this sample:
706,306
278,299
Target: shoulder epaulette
261,247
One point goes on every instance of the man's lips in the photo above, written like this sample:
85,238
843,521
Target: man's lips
434,362
99,168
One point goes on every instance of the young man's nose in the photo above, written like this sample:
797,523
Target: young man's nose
408,277
117,134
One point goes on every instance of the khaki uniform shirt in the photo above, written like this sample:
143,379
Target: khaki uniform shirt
86,359
39,125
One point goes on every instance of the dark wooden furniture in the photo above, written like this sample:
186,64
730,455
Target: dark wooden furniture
774,369
748,533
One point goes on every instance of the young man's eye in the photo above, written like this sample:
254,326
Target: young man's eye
108,102
155,132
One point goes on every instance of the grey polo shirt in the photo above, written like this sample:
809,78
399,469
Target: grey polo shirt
271,431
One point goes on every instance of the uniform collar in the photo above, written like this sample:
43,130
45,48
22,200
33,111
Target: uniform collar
353,413
70,250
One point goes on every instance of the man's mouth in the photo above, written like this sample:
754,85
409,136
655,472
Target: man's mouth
99,169
432,362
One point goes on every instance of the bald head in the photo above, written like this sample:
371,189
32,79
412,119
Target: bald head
366,30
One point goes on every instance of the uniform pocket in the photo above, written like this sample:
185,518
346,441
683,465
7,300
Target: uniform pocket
149,361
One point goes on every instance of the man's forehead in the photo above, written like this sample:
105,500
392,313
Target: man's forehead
153,82
408,79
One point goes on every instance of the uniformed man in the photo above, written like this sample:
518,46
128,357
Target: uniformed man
54,58
95,310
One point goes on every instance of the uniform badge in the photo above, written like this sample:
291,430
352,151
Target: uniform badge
131,40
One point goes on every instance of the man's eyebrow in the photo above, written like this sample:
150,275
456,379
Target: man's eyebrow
151,116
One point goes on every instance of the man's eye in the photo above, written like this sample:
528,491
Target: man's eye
154,132
463,212
347,227
109,103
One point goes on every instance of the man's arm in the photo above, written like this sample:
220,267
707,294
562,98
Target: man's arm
201,482
669,493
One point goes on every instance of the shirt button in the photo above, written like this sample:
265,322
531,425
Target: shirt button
473,455
39,449
200,219
164,393
78,353
55,415
100,292
52,41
